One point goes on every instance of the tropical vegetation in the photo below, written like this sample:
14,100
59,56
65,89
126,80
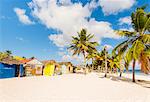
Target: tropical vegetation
136,47
83,44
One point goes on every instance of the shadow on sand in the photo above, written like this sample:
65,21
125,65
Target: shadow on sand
143,83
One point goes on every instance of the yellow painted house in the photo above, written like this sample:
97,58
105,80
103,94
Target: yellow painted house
49,67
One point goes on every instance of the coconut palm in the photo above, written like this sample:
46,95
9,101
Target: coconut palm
82,44
92,54
114,63
8,52
5,54
106,58
136,46
102,59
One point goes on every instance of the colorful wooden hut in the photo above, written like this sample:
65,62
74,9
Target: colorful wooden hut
10,67
49,67
33,67
66,67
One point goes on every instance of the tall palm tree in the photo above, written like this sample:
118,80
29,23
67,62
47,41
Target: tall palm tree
137,42
92,54
106,67
82,44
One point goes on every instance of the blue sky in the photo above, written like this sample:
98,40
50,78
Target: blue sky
27,32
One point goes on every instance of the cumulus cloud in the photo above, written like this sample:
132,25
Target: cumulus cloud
75,58
108,47
67,56
128,29
114,6
58,40
69,18
125,20
22,16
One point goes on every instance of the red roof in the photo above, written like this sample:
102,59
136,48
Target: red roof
25,60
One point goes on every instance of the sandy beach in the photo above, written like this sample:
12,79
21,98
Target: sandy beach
72,88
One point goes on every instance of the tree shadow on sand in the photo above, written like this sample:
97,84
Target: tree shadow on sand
143,83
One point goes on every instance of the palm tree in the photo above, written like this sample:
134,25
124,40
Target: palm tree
136,46
92,54
8,52
106,68
82,44
5,54
114,63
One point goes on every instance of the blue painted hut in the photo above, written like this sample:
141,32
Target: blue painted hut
10,67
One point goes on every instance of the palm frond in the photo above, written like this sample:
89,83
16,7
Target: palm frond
125,33
124,43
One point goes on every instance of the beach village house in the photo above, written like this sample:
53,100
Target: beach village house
32,67
49,67
66,67
10,67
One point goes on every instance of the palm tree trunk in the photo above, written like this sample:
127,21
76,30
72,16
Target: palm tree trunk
92,64
84,62
120,74
121,68
106,65
133,71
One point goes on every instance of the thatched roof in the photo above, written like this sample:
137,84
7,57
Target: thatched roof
10,61
48,61
65,63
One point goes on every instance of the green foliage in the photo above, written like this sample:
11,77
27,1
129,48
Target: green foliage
137,43
83,44
5,54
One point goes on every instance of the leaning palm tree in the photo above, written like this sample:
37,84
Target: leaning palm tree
136,46
82,44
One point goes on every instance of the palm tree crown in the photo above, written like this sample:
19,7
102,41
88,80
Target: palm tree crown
82,43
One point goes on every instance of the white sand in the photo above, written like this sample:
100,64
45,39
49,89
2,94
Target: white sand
71,88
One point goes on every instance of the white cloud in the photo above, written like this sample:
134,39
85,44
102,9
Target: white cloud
22,16
69,19
125,20
58,40
108,47
74,59
114,6
65,2
61,53
128,29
